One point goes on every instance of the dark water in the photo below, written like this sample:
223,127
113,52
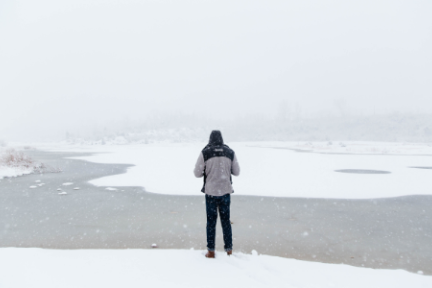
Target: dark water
362,171
380,233
421,167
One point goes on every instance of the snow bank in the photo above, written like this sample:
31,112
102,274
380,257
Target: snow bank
13,171
33,267
14,163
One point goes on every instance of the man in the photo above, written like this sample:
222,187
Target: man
216,163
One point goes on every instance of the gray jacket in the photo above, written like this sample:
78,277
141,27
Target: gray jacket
216,164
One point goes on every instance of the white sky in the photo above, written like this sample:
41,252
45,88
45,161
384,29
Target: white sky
76,63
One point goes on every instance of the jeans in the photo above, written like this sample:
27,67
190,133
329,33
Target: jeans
213,203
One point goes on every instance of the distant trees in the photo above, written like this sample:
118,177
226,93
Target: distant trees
341,106
286,125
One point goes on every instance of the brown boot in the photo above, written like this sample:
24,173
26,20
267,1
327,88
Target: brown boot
229,253
210,254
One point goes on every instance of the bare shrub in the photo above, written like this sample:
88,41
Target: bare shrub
13,158
17,159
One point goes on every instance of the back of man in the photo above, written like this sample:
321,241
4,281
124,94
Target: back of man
216,163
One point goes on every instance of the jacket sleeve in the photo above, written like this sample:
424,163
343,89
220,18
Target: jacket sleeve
235,168
199,166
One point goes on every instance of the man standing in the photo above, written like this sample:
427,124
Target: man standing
216,163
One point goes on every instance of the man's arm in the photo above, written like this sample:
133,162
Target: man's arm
199,166
235,168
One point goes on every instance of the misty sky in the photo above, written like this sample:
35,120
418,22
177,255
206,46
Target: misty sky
71,64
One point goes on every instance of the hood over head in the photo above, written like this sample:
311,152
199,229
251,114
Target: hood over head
216,138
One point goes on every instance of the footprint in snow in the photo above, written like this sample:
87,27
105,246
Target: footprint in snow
59,189
62,193
67,183
111,189
37,181
76,188
33,186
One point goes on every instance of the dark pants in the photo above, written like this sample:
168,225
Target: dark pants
213,203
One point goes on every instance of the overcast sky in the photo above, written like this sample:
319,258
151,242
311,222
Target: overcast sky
70,64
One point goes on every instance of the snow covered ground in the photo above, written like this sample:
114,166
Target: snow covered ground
265,171
343,147
13,171
33,267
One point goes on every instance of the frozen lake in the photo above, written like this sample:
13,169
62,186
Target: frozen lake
379,233
275,169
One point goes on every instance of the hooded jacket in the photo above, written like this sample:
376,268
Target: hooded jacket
216,163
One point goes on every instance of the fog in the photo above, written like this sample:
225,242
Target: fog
79,66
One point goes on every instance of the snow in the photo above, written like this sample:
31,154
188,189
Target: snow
280,172
13,163
374,148
185,268
7,172
67,184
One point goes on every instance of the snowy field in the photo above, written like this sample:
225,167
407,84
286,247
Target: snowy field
280,172
32,267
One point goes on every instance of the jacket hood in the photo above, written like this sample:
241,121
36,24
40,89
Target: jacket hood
216,138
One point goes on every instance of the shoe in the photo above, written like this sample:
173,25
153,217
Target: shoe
210,254
229,253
